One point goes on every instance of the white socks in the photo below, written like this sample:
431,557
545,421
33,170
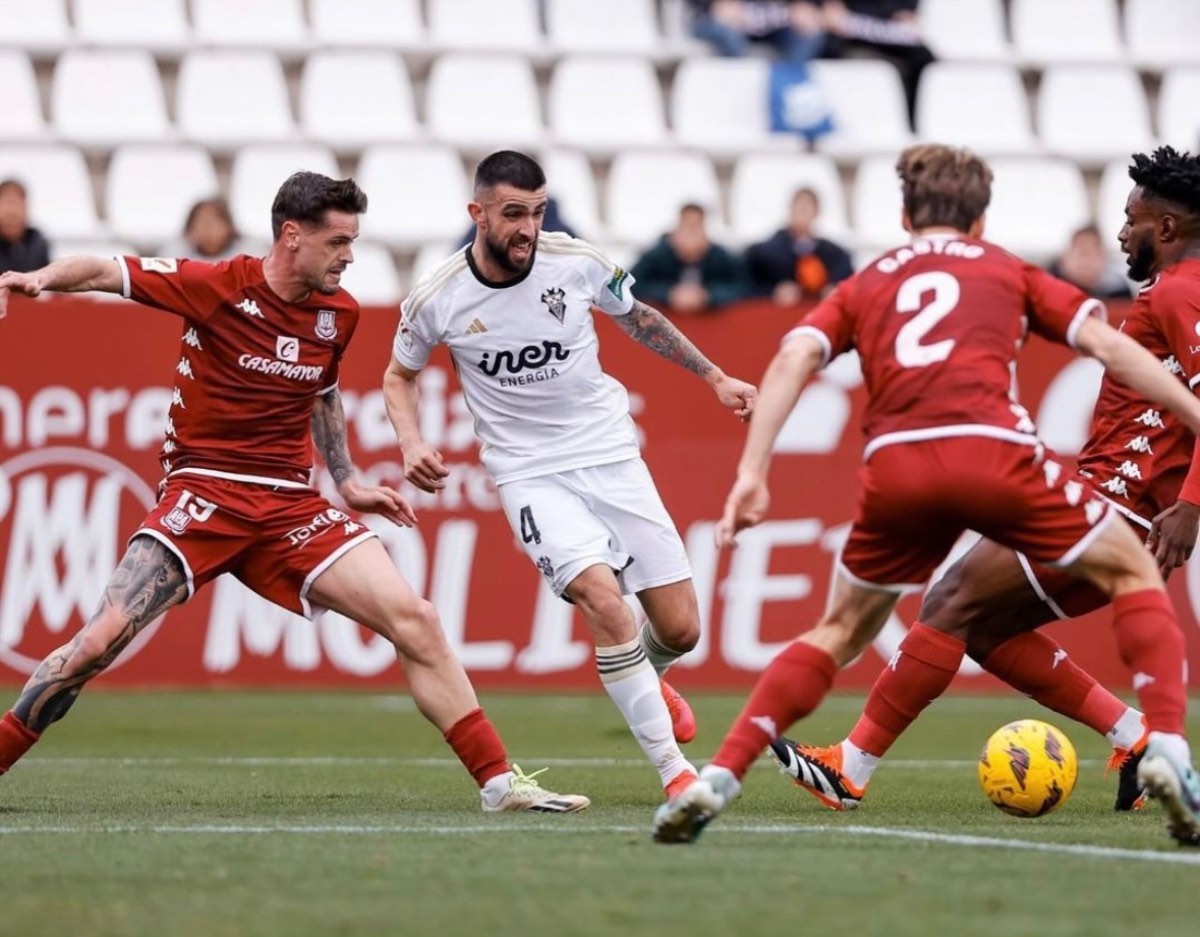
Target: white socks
857,765
632,684
1127,731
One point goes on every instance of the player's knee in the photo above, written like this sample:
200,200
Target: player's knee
417,633
605,611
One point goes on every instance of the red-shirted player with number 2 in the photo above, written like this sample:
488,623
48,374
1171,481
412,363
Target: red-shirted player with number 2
262,343
937,324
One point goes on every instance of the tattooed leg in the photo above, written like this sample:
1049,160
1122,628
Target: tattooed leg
149,580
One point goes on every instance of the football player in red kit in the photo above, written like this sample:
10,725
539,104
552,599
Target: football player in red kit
1138,457
938,323
257,377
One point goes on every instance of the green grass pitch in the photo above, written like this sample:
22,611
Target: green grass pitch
343,814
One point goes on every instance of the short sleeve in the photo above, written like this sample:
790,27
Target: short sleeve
831,323
1057,308
1176,309
609,286
415,338
189,288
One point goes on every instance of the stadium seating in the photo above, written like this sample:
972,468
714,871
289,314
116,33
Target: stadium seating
875,205
159,26
417,193
605,104
457,111
210,81
1161,33
257,173
613,26
572,182
1110,200
1036,204
647,189
22,109
1093,113
498,25
868,108
1049,31
762,187
61,201
390,24
40,27
948,108
102,98
151,187
372,278
351,98
720,105
429,256
1178,114
965,30
270,24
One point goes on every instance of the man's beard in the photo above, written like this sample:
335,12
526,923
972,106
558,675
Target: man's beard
499,254
1141,261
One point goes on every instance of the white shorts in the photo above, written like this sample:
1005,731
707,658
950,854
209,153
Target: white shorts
606,514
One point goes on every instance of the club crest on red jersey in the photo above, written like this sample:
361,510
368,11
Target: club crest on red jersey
326,324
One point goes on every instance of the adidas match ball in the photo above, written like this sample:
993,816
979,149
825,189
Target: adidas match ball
1028,768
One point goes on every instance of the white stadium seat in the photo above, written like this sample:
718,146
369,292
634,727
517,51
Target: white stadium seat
1036,205
605,104
37,26
876,205
102,98
1178,115
372,279
762,188
951,108
350,98
1161,33
572,183
1050,31
160,26
150,188
720,105
22,104
1110,200
647,189
1093,113
500,25
261,24
394,24
61,201
258,172
459,111
869,111
429,257
227,98
612,26
966,30
416,193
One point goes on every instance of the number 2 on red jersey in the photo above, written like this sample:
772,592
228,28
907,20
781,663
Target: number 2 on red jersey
909,350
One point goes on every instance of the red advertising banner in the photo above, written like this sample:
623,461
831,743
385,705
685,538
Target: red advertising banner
84,391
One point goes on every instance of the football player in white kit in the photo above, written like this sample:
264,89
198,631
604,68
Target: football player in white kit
515,309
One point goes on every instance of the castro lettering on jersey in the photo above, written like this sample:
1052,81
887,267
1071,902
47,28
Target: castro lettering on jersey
528,358
294,372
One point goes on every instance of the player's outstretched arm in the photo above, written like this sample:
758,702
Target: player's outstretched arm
649,327
329,433
69,275
423,464
782,383
1135,367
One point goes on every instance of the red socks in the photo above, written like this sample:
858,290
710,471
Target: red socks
919,673
791,687
1152,646
478,746
15,740
1036,665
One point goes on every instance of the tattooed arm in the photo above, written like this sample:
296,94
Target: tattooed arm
329,433
649,327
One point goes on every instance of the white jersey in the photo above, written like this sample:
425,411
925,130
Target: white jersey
527,356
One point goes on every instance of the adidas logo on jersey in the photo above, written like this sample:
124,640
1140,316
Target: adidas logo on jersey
476,328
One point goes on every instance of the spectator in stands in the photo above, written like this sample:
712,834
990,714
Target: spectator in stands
208,234
551,221
887,28
1087,264
22,248
793,27
794,264
687,272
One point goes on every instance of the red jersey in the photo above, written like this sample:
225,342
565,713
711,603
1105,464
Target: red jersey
1138,454
938,324
250,366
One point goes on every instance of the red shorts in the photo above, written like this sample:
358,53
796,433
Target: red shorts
275,540
917,498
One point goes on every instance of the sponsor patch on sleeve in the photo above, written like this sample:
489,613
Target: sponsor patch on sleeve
617,284
159,264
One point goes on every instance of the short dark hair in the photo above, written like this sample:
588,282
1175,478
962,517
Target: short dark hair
690,207
810,192
14,184
943,185
508,167
219,205
1088,230
307,196
1169,175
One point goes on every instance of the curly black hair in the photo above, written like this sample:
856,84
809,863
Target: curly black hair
1169,175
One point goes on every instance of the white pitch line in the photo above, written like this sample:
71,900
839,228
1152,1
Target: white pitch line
570,827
